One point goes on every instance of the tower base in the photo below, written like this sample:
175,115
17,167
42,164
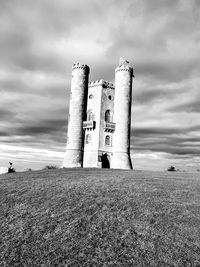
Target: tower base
121,160
73,159
90,159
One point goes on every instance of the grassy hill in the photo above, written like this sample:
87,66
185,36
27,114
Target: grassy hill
98,217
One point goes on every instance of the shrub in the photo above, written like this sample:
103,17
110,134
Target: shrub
171,169
48,167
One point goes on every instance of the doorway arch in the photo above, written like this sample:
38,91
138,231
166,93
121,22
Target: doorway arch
105,158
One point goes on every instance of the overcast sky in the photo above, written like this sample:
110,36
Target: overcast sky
41,39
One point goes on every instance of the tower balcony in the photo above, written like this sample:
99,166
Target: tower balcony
109,126
89,125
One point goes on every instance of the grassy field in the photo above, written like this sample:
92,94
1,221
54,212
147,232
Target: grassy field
93,217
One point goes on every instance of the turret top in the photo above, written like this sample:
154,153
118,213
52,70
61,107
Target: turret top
123,62
124,66
80,66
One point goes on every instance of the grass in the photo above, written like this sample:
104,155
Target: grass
98,217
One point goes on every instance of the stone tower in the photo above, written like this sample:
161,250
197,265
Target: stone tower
77,114
99,126
99,120
122,114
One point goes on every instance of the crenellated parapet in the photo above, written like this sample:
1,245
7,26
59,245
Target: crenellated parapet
80,66
124,67
103,83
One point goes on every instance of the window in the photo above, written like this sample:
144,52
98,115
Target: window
90,116
91,96
88,139
108,116
108,140
110,97
99,158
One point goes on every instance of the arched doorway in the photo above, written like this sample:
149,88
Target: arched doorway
105,159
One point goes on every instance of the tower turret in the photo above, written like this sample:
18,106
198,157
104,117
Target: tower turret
122,117
77,114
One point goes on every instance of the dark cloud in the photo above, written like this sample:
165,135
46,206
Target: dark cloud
153,95
4,133
164,130
169,70
49,126
6,114
193,106
171,140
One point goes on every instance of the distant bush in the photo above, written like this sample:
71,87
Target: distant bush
29,170
48,167
171,169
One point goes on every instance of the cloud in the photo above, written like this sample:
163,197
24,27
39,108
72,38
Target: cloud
174,141
6,113
187,107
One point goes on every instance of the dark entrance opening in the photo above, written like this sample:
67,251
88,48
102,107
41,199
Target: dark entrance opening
105,161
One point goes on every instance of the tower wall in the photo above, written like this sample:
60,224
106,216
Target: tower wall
122,117
91,147
107,105
100,100
77,114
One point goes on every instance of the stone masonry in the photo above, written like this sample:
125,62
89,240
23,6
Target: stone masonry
99,121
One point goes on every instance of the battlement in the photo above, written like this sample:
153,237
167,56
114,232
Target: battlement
80,66
124,67
103,83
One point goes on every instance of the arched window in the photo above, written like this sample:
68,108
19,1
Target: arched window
88,139
108,116
90,115
108,140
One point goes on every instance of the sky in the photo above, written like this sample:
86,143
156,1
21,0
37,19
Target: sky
41,39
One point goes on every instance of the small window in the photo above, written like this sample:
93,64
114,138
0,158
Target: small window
88,139
108,116
91,96
110,97
90,116
108,140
